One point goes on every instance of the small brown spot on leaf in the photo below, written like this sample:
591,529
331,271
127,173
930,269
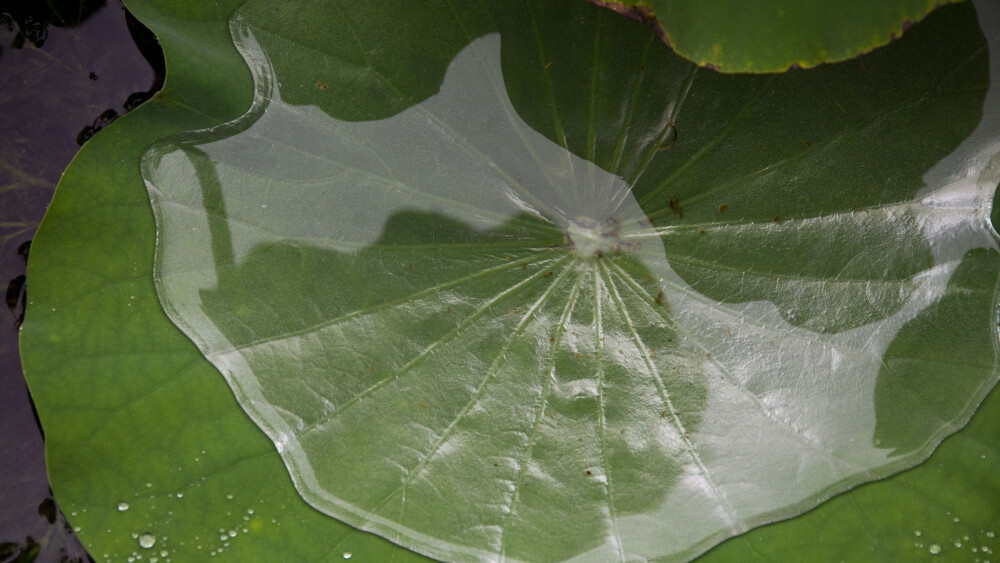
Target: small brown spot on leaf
676,208
322,85
659,298
524,266
589,473
549,274
663,414
548,64
777,218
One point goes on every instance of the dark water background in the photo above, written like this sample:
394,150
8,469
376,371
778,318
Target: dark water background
68,68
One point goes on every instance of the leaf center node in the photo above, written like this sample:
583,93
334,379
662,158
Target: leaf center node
590,238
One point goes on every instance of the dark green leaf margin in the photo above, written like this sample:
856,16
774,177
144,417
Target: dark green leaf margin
773,36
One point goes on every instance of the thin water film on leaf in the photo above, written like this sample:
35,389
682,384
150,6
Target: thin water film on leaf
487,336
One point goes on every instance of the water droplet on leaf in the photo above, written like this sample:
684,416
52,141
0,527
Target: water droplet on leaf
147,540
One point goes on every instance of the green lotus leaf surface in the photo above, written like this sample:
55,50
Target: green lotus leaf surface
793,197
601,307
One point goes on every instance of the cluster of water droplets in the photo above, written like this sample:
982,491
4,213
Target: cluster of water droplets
979,543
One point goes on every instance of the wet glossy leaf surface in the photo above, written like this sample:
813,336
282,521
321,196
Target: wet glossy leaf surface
461,335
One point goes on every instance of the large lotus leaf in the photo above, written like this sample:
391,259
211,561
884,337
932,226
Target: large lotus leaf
633,326
737,36
135,415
